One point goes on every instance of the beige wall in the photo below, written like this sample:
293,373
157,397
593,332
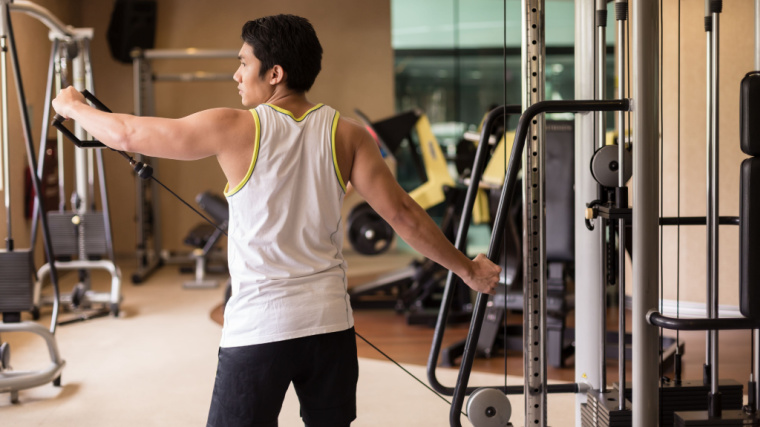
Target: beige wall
357,72
736,59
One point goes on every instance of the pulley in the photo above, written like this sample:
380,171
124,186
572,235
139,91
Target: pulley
368,232
489,407
605,166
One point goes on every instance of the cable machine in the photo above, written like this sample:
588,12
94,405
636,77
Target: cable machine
82,233
16,282
150,253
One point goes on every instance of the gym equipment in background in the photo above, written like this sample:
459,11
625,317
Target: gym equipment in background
17,265
560,255
204,238
150,251
81,234
413,290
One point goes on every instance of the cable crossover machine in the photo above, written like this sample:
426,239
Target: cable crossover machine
17,281
607,225
81,233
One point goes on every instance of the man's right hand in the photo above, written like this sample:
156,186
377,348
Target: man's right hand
484,275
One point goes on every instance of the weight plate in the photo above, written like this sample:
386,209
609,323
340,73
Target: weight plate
605,166
488,407
368,232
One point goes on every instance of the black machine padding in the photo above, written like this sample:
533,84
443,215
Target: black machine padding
560,190
749,238
215,205
749,114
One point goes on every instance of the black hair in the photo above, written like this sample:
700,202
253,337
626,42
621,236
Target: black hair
288,41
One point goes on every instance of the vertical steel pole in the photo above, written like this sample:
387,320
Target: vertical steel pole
534,241
601,129
5,142
713,212
645,48
80,156
588,281
601,64
708,140
621,16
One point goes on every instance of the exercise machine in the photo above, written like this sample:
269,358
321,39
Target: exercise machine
81,234
204,238
17,265
150,252
413,290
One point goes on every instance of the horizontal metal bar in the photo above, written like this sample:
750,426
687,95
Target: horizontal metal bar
698,220
701,324
188,53
193,77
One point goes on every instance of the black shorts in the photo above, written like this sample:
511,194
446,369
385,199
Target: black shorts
251,381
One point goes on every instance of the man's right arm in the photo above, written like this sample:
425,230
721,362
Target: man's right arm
197,136
373,181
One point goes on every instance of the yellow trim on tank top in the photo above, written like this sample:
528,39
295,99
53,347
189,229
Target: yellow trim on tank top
334,153
286,112
255,156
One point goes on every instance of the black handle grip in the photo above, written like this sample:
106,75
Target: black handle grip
58,124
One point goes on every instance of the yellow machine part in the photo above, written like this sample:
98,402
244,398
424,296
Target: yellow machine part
431,193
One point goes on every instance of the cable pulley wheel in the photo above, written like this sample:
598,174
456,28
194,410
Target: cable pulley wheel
605,165
368,232
488,407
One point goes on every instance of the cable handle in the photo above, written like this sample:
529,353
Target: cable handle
143,170
59,119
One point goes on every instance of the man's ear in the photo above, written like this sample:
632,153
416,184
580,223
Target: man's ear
277,75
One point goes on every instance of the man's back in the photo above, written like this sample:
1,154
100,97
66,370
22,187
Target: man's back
286,239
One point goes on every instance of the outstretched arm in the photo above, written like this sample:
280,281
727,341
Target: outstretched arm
372,180
199,135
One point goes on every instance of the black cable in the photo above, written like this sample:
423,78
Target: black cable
678,198
405,370
661,125
188,205
504,249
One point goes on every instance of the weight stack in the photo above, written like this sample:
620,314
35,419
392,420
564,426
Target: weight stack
601,410
65,235
692,396
728,418
16,285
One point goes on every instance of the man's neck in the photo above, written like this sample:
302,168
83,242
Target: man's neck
295,102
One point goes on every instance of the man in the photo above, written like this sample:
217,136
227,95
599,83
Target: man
287,162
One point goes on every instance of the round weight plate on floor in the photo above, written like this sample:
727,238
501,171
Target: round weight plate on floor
605,165
368,232
488,407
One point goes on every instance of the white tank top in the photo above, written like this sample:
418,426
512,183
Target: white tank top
285,245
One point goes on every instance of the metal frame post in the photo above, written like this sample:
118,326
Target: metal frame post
645,66
621,16
588,281
534,240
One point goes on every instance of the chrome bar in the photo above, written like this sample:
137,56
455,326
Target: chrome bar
645,78
588,281
714,191
188,53
621,13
